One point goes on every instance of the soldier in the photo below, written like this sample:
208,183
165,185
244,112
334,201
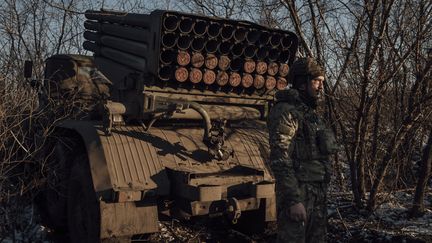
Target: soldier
300,149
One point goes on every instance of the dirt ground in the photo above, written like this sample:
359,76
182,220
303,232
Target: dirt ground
389,223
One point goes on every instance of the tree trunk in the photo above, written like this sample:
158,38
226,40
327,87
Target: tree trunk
425,173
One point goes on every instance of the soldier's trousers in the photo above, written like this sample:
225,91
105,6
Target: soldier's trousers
314,230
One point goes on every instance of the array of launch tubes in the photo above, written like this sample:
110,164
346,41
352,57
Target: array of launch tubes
196,50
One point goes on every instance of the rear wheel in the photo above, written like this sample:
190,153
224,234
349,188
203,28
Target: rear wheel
52,200
83,206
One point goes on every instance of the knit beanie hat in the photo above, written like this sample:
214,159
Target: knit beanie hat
304,69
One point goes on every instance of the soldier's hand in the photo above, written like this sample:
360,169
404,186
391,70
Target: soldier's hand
298,212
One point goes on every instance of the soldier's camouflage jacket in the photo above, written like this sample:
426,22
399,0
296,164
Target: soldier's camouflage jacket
300,145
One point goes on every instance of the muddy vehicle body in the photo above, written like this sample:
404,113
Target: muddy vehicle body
168,118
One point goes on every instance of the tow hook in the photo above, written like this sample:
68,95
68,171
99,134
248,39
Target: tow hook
233,209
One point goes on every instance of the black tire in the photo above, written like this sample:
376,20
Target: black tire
52,200
83,206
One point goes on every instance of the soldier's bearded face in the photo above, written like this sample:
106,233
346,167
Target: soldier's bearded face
316,87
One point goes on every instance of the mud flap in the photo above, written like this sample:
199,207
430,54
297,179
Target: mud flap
128,218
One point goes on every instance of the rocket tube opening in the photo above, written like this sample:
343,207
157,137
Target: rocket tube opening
167,56
169,40
214,29
264,38
227,31
284,56
225,47
238,49
262,53
211,46
273,54
200,27
236,64
252,36
165,72
198,44
286,41
186,25
250,51
275,40
184,42
240,34
170,22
